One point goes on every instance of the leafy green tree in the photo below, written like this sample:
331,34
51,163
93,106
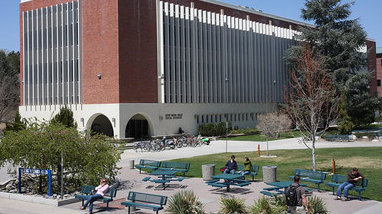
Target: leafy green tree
42,145
345,126
65,117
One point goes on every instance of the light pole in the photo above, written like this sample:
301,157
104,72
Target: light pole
226,123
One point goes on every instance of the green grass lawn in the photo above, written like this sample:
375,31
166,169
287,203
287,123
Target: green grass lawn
367,160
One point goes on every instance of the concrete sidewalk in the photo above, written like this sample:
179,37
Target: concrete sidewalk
210,196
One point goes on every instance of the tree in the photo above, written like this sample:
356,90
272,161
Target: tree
345,126
43,146
9,98
311,99
17,125
361,106
271,124
336,38
9,84
65,117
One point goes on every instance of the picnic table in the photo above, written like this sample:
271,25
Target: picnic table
276,186
164,177
229,179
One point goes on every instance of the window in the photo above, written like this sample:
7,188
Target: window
378,82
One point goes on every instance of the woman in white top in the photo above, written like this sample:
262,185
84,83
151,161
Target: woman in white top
102,189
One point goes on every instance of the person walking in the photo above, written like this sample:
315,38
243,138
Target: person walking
295,197
102,189
353,177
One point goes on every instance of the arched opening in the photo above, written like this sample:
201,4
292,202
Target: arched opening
102,124
137,127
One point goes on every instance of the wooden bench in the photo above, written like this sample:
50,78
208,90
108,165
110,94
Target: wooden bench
175,166
253,173
337,180
147,164
315,177
145,200
332,137
86,193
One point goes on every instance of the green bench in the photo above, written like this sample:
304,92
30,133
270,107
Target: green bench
145,200
175,166
86,193
315,177
332,137
337,180
147,164
253,173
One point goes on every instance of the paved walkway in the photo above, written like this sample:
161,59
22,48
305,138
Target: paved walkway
210,196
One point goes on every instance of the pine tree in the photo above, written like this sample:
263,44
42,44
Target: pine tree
65,117
18,124
345,125
335,37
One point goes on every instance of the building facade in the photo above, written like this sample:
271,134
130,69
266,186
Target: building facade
132,68
379,71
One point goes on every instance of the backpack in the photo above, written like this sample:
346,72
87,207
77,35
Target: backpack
291,195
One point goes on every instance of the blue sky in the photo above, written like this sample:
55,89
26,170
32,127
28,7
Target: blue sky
366,10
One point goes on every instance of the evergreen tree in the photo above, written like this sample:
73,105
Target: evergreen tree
17,125
335,37
65,117
361,107
345,125
338,40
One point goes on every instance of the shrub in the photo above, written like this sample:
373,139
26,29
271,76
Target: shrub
184,202
232,205
212,129
316,205
261,206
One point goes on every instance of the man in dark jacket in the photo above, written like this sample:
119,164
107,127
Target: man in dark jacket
231,165
353,178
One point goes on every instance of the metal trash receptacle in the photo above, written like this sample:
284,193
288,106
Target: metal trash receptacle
208,170
269,174
131,164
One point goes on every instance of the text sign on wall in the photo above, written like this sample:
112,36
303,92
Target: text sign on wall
173,116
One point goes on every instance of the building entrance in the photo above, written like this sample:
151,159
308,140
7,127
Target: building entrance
137,127
102,124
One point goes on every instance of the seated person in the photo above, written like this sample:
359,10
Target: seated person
102,189
247,167
231,165
353,178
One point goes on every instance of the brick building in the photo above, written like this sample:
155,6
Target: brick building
132,68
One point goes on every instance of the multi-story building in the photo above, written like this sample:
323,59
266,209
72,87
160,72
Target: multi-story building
379,71
131,68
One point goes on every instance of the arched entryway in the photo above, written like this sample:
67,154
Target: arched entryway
137,127
102,124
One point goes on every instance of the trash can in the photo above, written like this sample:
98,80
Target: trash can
208,171
269,173
131,164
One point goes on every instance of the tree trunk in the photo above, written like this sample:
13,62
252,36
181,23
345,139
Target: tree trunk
313,152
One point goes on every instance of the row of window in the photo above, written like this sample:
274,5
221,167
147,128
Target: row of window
218,118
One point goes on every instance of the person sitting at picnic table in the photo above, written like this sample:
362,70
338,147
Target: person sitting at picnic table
353,178
231,165
247,167
102,189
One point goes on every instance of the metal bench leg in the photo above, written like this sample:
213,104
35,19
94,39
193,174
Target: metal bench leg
359,195
318,187
128,210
